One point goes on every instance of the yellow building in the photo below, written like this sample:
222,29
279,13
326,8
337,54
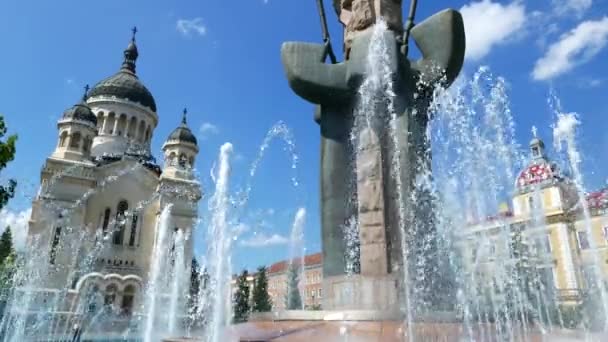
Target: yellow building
566,237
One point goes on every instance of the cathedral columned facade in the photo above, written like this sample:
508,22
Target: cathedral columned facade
95,223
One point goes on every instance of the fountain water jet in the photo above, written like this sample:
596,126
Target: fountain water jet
215,300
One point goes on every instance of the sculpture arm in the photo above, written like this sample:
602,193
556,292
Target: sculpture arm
310,77
441,40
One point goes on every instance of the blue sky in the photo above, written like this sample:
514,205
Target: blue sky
221,60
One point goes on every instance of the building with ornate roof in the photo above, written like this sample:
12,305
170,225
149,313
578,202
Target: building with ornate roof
95,220
549,215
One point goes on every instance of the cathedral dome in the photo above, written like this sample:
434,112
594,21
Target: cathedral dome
125,84
183,133
81,111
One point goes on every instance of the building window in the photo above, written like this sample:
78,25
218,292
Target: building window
533,205
583,240
92,298
492,251
63,139
605,229
320,293
106,221
110,296
133,230
121,218
535,151
75,140
54,244
543,244
182,160
127,299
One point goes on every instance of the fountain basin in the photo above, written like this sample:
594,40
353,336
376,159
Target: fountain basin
368,326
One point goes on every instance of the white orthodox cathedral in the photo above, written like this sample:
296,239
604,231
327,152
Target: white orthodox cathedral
95,220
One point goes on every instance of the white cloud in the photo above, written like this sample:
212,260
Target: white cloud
240,229
18,221
488,24
263,240
208,129
572,49
567,7
191,26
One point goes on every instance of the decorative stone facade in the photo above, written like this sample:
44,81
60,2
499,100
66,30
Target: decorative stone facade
95,220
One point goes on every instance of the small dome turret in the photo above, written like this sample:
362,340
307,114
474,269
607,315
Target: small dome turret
540,170
81,111
77,129
180,151
182,132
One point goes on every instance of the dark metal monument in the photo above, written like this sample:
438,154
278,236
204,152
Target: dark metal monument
360,182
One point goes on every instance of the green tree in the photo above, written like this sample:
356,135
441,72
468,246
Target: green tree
195,285
293,299
261,299
7,154
7,272
241,299
6,244
8,265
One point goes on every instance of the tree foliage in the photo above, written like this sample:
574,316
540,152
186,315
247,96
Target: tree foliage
293,299
8,263
261,299
6,244
241,299
7,154
195,285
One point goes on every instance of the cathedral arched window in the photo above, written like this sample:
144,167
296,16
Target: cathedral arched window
122,125
119,231
92,298
110,120
182,160
171,159
75,140
128,299
54,245
140,131
100,120
133,235
132,127
191,161
147,134
110,295
63,139
86,144
106,220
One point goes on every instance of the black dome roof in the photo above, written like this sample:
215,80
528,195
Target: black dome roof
183,132
80,111
125,84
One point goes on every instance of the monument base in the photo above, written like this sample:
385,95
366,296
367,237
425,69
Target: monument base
362,293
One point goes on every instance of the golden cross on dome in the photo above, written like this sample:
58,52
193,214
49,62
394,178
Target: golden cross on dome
534,131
